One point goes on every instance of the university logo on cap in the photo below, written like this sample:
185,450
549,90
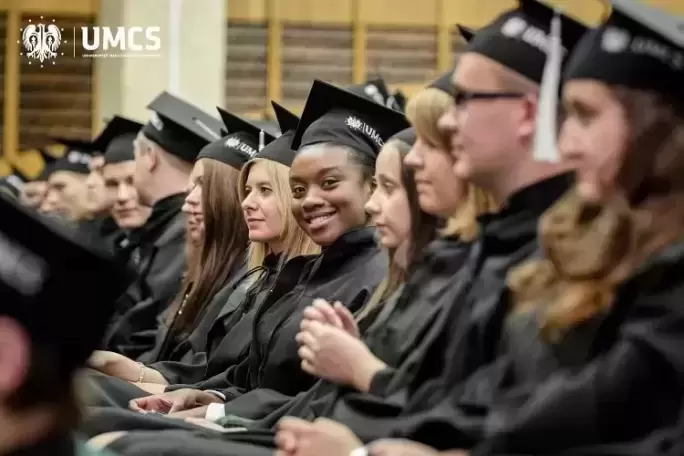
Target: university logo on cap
617,40
518,28
78,158
357,124
20,268
235,143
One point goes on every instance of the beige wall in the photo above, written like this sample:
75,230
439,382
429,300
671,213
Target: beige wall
125,86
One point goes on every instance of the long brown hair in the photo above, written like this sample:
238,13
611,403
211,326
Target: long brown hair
223,244
590,250
423,231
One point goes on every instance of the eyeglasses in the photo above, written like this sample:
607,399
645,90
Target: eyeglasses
462,96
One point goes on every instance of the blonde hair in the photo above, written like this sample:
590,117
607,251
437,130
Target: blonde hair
294,239
424,111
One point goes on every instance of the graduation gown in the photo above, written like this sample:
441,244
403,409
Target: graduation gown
228,342
157,250
392,336
463,340
616,378
348,270
185,359
427,295
101,231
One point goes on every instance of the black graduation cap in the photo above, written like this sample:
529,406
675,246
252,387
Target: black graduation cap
519,38
116,139
338,116
407,135
374,89
77,157
239,146
639,46
466,32
397,101
48,160
279,150
179,127
49,265
443,83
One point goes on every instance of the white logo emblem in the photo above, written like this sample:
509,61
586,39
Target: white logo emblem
78,157
615,40
353,122
513,27
357,124
156,121
233,143
41,41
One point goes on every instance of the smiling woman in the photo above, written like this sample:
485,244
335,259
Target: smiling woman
330,186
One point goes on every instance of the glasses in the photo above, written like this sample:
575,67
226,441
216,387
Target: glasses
462,96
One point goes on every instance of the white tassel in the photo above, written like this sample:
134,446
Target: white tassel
545,137
262,140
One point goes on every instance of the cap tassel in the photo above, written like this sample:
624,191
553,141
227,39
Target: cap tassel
545,138
262,140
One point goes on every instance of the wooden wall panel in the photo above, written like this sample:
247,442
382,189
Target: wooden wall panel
423,13
246,67
3,51
314,52
402,54
247,10
318,12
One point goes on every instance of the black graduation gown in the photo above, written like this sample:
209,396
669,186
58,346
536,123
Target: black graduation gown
101,231
348,270
391,337
185,358
228,343
464,339
616,378
427,295
158,251
57,445
171,345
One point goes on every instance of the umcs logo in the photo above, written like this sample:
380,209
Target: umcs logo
120,41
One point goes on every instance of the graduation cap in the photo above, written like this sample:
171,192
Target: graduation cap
79,153
48,160
639,46
374,89
179,127
397,101
340,117
47,264
241,143
466,32
443,83
519,38
407,135
280,150
116,139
